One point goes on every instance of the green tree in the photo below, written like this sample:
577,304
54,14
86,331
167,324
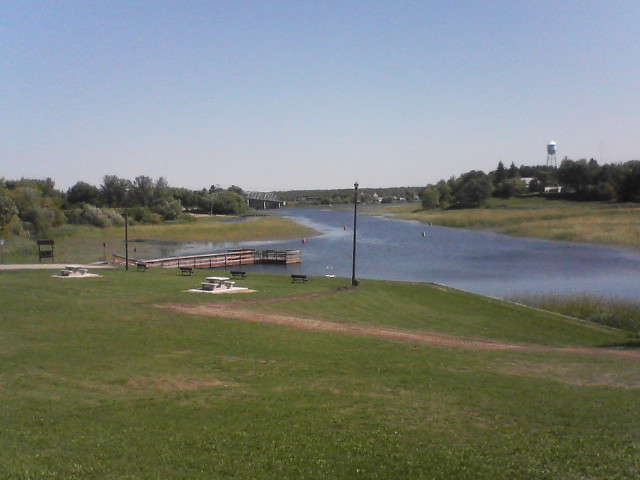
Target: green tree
9,220
629,188
82,192
229,203
116,191
143,189
474,190
512,187
430,198
500,174
444,189
236,189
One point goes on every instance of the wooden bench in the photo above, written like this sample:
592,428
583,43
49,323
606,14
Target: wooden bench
298,278
238,274
142,267
186,270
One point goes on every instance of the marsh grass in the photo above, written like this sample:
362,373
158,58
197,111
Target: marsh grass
620,314
592,222
96,382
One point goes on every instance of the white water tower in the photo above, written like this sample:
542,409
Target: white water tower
551,155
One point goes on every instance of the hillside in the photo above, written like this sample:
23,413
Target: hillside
127,376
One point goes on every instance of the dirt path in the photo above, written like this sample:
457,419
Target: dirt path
409,336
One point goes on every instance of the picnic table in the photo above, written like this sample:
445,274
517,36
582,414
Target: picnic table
220,282
66,271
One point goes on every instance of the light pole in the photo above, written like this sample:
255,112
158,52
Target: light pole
354,281
126,242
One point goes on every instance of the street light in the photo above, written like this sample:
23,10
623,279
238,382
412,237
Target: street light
354,282
126,242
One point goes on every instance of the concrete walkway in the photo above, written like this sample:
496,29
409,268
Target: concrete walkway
51,266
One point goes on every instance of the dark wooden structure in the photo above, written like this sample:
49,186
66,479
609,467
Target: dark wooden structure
45,249
232,258
186,270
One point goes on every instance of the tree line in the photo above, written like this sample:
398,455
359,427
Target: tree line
346,195
583,180
33,207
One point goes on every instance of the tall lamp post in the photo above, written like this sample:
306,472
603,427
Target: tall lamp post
126,242
354,281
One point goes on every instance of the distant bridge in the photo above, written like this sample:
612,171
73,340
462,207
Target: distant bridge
264,200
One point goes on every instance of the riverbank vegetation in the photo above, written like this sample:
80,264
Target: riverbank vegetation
620,314
343,196
574,180
108,378
87,222
35,207
538,217
84,244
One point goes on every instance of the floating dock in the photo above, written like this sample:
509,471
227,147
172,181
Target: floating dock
231,258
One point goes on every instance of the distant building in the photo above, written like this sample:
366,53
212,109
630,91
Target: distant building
527,180
553,189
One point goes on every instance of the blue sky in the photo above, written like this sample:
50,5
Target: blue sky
277,95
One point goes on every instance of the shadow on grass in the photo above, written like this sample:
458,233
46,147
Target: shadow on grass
630,344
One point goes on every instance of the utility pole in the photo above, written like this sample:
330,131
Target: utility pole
354,281
126,241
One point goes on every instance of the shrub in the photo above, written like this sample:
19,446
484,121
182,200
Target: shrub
115,217
144,215
169,209
94,216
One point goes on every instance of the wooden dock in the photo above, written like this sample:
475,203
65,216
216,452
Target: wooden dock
231,258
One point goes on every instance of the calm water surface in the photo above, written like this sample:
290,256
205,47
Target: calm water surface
480,262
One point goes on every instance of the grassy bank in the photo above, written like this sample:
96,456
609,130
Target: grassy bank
593,222
75,243
624,315
98,381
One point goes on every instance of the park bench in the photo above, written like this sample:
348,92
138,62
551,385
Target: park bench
208,286
298,278
142,267
238,274
229,284
186,270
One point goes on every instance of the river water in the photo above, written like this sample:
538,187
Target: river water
481,262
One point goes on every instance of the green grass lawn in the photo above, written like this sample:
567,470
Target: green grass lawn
97,382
